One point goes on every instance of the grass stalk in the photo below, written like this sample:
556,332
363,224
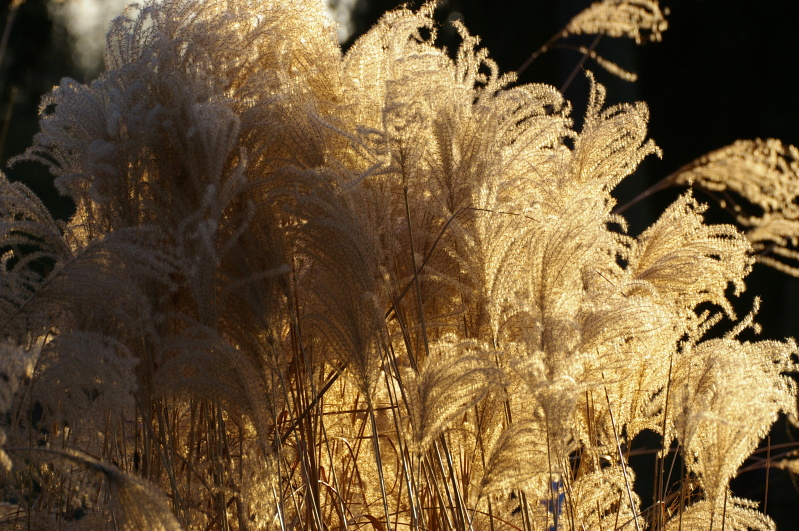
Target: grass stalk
660,486
622,459
417,518
379,462
768,472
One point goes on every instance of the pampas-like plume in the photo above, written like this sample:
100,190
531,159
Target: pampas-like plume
136,504
637,19
518,459
450,381
729,394
765,175
670,254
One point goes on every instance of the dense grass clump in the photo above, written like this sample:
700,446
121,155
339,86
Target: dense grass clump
312,290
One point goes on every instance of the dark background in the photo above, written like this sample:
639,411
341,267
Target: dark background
722,73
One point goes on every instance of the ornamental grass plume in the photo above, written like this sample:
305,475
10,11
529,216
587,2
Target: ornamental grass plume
307,289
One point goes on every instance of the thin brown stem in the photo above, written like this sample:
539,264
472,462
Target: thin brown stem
581,63
668,181
542,50
768,470
622,460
